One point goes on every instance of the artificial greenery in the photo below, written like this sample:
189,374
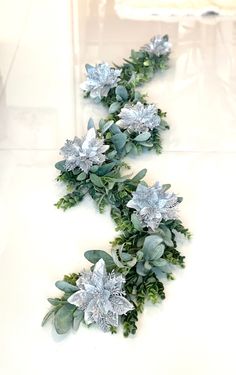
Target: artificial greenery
145,257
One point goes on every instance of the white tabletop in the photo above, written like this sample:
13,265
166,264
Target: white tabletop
193,331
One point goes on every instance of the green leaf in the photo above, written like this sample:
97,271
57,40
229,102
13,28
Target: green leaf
136,222
140,175
93,256
140,269
146,144
105,168
55,301
96,180
106,126
82,176
152,248
66,287
114,107
122,92
48,316
78,317
61,166
119,140
90,124
142,137
63,318
115,129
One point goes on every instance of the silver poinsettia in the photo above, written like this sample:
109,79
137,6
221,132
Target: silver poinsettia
153,204
100,79
101,297
139,118
85,152
158,45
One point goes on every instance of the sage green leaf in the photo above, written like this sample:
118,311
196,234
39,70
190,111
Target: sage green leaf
114,107
107,126
96,180
136,222
160,262
142,137
55,301
63,318
48,316
140,269
93,256
119,140
151,247
128,147
146,144
90,124
94,168
115,129
140,175
122,92
66,287
60,165
78,317
105,168
82,176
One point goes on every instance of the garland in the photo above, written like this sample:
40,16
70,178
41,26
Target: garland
145,252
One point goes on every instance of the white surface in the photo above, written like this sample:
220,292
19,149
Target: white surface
193,330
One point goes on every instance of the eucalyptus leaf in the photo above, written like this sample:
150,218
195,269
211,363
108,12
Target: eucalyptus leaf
65,286
119,140
78,318
140,269
122,92
93,256
82,176
105,168
115,129
96,180
114,107
140,175
48,316
61,165
90,124
63,318
151,247
55,301
136,222
107,126
142,137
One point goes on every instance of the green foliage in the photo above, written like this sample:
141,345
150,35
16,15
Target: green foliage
142,256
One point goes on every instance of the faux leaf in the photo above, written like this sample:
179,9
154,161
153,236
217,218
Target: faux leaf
106,126
105,168
61,165
63,318
136,222
151,247
96,180
140,175
78,317
119,140
90,124
82,176
114,107
93,256
142,137
122,92
66,287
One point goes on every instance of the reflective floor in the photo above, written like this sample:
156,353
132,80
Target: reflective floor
193,331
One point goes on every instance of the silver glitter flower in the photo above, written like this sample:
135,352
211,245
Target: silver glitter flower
100,296
100,79
85,152
158,45
139,118
153,204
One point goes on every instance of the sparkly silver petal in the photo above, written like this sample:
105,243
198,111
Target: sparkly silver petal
158,46
100,79
84,153
139,118
101,297
153,204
